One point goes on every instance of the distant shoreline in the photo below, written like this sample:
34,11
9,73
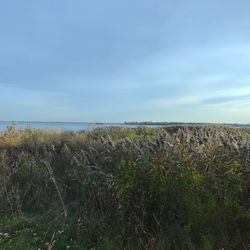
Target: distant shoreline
147,123
185,123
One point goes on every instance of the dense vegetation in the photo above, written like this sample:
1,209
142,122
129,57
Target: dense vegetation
167,188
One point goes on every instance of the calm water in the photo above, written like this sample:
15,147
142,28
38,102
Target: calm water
76,126
73,126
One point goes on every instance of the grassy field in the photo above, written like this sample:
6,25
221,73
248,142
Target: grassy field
173,188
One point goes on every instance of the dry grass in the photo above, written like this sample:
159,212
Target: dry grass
167,188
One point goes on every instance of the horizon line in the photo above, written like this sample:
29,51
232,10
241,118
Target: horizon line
125,122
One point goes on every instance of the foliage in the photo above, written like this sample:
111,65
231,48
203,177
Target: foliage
167,188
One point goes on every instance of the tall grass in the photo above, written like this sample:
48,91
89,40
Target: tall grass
117,188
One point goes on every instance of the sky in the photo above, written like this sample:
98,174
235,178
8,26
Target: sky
133,60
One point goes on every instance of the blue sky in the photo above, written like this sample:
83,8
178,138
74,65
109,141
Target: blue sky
118,61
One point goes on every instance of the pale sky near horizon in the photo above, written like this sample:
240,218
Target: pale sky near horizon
133,60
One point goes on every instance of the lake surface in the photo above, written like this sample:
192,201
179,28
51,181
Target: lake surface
73,126
79,126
